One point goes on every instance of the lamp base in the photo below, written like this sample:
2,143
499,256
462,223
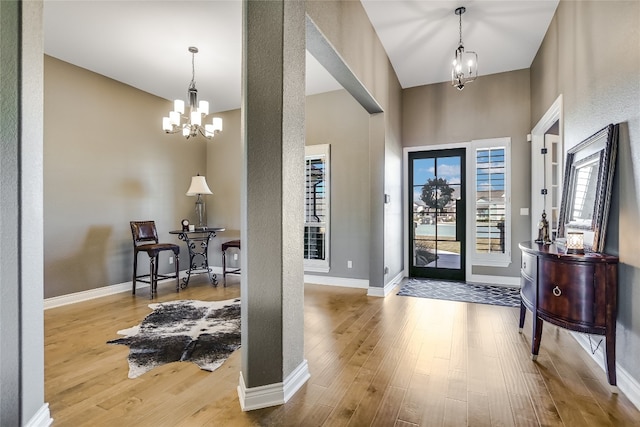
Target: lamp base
200,213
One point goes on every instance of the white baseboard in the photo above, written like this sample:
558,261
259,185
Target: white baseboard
272,394
626,383
104,291
388,288
42,418
509,282
344,282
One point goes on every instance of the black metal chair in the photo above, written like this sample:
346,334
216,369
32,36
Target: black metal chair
145,239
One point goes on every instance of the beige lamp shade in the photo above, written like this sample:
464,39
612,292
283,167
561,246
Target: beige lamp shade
198,186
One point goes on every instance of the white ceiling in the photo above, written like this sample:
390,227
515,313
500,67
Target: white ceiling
144,43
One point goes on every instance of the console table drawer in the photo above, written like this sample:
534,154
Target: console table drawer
567,291
527,291
528,265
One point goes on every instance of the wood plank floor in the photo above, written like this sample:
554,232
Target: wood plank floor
397,361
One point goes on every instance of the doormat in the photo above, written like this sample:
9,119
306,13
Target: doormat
202,332
461,291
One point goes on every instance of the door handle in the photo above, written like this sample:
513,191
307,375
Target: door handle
460,219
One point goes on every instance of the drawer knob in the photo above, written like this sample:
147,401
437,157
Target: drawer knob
556,291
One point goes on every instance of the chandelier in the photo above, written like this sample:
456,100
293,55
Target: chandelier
465,64
191,124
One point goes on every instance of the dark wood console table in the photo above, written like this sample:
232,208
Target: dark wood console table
198,245
576,292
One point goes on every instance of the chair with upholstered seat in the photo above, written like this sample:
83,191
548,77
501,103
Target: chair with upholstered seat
145,239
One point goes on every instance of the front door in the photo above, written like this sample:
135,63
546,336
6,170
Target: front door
437,214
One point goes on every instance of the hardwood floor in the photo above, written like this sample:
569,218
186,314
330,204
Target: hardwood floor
397,361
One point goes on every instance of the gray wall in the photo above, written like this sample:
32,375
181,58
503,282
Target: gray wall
107,162
493,106
335,118
346,27
21,211
331,118
393,210
591,56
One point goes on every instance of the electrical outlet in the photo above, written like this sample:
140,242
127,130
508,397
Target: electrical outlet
349,264
170,260
235,257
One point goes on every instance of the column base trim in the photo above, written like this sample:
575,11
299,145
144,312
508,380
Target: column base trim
272,394
42,418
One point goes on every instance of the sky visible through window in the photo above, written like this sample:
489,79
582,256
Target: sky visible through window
490,169
490,200
447,168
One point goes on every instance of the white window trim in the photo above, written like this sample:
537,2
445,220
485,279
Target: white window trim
490,259
317,265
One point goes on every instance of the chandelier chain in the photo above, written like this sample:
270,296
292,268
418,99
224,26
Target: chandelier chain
193,69
460,16
465,64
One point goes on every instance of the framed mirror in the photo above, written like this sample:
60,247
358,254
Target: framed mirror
586,194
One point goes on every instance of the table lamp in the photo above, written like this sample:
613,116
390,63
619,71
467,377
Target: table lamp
199,187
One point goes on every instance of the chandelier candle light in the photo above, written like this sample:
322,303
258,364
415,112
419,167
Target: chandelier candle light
199,187
192,124
465,64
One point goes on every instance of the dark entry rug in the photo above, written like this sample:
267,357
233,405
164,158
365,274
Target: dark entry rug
461,291
202,332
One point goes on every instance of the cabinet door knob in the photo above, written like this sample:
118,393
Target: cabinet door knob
556,291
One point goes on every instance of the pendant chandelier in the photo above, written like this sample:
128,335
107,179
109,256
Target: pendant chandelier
465,64
191,124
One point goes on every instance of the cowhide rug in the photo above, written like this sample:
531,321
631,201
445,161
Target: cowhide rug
202,332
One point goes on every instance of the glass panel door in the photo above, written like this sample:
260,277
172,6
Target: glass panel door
437,212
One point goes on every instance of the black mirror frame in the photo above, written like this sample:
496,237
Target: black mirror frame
608,137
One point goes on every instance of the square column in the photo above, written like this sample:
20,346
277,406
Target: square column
272,283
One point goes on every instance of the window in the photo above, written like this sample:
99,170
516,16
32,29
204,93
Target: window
316,208
491,213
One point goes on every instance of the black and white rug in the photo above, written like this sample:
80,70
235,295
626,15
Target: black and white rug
461,291
202,332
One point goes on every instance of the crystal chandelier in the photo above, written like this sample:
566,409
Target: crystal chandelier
465,64
191,124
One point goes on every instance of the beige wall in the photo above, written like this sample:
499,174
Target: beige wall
224,176
95,183
493,106
591,56
107,162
